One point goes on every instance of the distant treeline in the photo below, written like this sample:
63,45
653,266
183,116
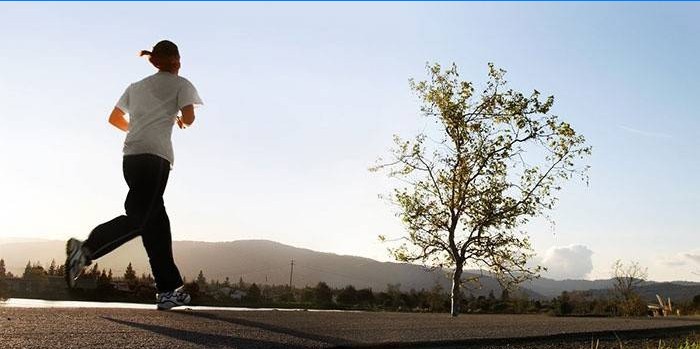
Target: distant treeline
101,285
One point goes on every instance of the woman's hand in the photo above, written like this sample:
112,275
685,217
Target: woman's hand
187,117
179,122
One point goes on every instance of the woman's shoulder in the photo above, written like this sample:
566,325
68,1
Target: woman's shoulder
185,84
142,81
183,80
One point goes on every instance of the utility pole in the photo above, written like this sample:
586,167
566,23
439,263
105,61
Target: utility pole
291,272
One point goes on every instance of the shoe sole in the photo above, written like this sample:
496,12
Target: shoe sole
167,305
66,267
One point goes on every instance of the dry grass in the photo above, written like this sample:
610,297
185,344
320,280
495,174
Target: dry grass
690,342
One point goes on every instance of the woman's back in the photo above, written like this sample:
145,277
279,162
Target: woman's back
152,105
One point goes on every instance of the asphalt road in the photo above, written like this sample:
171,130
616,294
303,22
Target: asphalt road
139,328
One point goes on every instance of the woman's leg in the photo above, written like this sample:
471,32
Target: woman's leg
158,243
146,176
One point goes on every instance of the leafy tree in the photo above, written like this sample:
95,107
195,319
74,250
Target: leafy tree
308,294
348,295
104,281
266,293
3,288
27,270
2,268
437,298
626,279
35,271
565,305
60,270
696,301
38,275
191,288
130,273
147,279
94,271
323,294
494,161
365,296
52,268
253,295
285,295
505,295
393,292
201,280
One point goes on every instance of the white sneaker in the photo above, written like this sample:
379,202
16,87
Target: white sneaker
75,261
168,300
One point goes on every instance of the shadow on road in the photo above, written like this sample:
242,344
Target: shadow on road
206,339
269,327
564,340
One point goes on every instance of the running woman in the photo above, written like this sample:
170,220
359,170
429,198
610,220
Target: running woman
152,104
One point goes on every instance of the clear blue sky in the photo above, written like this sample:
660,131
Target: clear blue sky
302,97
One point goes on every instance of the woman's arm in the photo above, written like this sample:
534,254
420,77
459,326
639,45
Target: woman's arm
118,120
187,117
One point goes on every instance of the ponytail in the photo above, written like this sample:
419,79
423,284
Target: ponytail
165,56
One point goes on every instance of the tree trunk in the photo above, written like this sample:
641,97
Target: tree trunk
456,291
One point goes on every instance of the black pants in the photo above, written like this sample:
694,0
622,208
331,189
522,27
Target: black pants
147,176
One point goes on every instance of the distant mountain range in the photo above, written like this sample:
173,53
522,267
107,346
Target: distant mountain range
264,261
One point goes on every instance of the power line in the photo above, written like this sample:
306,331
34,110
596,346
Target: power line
257,271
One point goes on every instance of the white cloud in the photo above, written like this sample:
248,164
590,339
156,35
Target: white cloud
681,259
693,256
673,262
568,262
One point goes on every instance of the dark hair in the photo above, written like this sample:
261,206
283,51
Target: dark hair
164,56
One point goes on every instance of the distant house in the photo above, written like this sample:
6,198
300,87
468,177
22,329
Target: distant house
121,285
237,295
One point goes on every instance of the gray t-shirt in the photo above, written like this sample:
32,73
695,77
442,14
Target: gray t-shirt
152,105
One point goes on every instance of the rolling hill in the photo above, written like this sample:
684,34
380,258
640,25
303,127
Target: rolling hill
264,261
